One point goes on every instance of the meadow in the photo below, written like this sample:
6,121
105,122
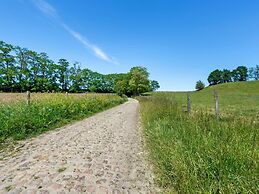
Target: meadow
196,153
47,111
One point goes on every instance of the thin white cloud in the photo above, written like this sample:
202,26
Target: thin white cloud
95,49
46,8
51,12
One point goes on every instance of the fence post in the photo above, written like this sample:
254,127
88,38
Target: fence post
66,94
28,98
188,103
216,104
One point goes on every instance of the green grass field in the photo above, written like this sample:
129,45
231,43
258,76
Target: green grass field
239,98
47,111
196,153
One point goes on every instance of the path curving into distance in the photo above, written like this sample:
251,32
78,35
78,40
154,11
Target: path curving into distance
100,154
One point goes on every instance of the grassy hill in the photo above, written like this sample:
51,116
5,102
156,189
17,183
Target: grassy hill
234,98
198,154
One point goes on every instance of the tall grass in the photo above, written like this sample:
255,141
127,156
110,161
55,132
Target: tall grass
19,121
197,154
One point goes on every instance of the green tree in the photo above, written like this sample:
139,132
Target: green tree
154,85
199,85
33,66
122,84
86,79
52,76
8,70
76,78
226,75
139,82
215,77
63,72
254,72
23,72
240,73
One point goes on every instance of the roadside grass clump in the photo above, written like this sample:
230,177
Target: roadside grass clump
196,153
19,120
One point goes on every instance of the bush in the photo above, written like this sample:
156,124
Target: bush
199,85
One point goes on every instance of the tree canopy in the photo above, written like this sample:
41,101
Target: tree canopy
23,70
239,74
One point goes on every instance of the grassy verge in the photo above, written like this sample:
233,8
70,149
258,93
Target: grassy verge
195,153
20,121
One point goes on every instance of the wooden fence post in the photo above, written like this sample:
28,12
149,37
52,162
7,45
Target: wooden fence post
188,103
216,104
66,94
28,98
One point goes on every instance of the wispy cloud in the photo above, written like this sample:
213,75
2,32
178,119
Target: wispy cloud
46,8
51,12
95,49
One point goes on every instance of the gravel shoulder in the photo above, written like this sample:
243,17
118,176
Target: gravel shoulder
100,154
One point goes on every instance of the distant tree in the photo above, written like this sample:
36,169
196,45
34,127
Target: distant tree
226,75
92,88
63,71
154,85
139,82
86,79
254,72
122,87
8,70
22,69
199,85
76,81
215,77
240,73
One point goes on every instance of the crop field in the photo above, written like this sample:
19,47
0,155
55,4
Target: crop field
195,153
47,111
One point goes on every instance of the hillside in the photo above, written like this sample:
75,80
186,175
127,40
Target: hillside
235,97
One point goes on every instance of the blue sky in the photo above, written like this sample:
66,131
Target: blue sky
179,42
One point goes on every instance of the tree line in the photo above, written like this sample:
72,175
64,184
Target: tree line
23,70
241,73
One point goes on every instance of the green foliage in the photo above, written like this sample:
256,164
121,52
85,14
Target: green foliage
154,85
226,76
215,77
240,73
25,70
254,73
199,85
19,121
198,154
122,87
139,82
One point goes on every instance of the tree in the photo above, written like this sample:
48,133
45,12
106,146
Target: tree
254,72
22,60
121,87
215,77
63,72
7,67
199,85
122,84
226,75
22,69
139,82
154,85
240,73
75,78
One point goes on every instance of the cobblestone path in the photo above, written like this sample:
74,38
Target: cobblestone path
101,154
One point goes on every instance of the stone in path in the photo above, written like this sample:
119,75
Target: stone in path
101,154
